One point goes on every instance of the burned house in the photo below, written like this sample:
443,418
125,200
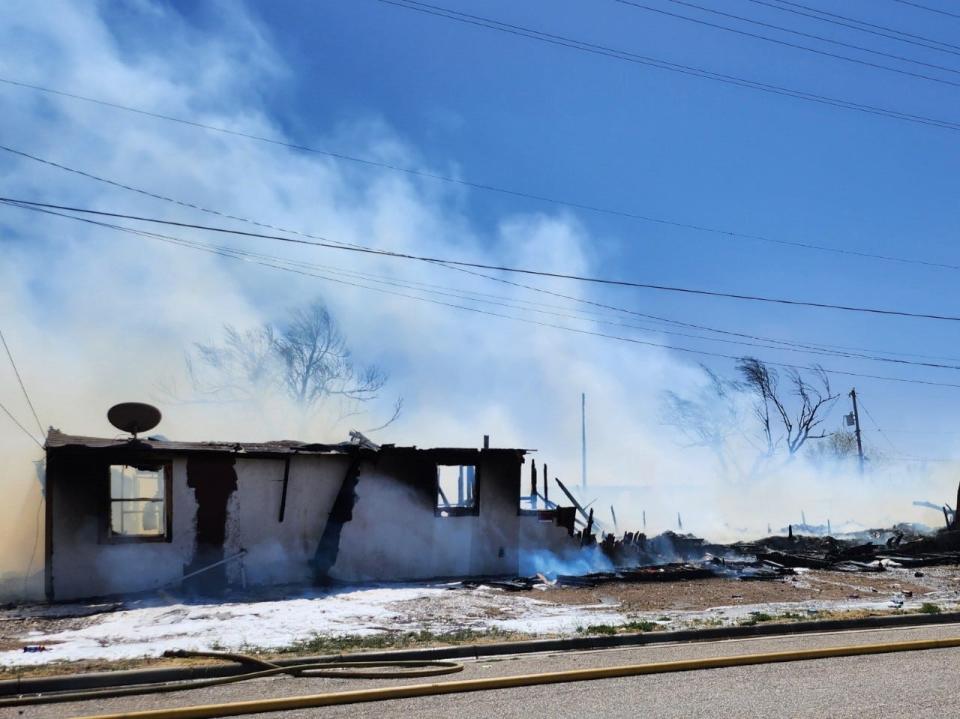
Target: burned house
131,515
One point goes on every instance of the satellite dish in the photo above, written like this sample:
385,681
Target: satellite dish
134,417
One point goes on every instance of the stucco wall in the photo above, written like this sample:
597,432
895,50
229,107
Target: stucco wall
82,566
539,535
394,533
279,552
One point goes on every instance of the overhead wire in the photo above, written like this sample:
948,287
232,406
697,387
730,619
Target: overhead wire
883,434
664,64
547,309
897,456
22,428
855,24
533,288
525,305
526,320
797,46
588,207
928,8
23,387
500,268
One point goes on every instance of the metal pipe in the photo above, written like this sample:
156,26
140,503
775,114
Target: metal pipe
203,569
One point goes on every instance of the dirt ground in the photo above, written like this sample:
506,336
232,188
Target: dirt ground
842,594
700,594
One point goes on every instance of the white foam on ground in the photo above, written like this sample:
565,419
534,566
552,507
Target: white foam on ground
150,630
147,628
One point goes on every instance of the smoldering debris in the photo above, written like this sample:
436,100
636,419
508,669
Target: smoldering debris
671,572
672,557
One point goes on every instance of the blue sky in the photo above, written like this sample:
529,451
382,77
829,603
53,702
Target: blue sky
102,319
558,122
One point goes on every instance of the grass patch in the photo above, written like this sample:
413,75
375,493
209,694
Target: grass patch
609,629
711,622
928,608
598,629
319,644
641,626
756,618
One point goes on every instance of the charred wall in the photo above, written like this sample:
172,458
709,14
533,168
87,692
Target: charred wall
213,481
373,519
80,561
396,529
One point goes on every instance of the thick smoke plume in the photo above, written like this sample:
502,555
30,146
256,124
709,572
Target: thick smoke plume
95,317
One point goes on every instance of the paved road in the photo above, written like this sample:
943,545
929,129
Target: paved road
893,685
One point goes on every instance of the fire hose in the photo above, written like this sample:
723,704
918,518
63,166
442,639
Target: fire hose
259,668
209,711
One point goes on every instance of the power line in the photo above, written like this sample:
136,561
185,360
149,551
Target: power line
22,385
487,298
239,255
875,424
580,300
923,432
797,46
499,268
867,27
664,64
512,303
443,178
928,8
22,428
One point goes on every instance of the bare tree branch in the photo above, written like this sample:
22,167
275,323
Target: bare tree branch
305,357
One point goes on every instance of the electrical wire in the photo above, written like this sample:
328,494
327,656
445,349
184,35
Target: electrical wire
869,28
526,306
444,178
797,46
899,457
23,429
526,320
20,380
533,288
36,544
928,8
664,64
883,434
499,268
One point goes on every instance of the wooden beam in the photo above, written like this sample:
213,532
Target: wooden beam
283,492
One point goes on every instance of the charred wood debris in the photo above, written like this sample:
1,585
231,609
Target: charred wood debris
671,556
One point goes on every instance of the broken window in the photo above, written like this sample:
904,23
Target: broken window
456,490
139,502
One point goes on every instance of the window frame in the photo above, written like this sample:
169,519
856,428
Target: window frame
456,511
108,536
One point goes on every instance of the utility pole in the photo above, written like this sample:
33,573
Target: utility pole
583,440
856,424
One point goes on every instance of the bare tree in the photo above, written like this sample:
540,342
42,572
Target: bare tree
305,357
708,419
836,446
812,399
713,417
243,367
317,362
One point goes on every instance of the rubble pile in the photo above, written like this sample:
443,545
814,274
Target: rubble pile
672,557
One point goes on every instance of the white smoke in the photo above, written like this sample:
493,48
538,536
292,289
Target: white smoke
96,317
